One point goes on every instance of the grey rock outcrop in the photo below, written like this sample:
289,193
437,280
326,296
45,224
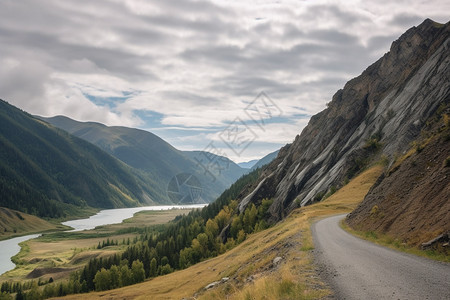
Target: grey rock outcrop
379,112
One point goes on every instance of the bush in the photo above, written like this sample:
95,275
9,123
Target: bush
372,144
166,269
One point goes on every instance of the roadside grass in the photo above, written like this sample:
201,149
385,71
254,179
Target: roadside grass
249,266
393,243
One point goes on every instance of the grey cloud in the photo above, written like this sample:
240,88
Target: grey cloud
334,37
143,36
263,28
24,83
211,27
301,56
342,17
406,20
240,85
58,54
329,44
41,32
382,42
290,31
196,7
196,99
215,54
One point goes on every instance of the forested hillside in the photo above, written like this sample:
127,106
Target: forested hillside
47,172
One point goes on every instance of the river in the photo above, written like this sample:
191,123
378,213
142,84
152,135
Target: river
11,247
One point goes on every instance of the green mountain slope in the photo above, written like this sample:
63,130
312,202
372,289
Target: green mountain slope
47,172
158,159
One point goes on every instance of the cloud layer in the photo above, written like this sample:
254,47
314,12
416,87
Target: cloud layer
186,70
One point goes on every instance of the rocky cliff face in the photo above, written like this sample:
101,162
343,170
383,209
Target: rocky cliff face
377,113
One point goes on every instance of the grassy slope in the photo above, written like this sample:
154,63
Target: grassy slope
251,261
14,223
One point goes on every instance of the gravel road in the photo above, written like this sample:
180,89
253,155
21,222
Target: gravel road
357,269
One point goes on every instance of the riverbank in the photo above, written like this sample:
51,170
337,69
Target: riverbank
55,255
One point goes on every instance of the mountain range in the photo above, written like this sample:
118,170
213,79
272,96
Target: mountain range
155,157
52,167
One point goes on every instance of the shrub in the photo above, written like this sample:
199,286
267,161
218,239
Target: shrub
374,210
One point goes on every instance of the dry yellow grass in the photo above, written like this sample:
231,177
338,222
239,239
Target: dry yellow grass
249,265
15,223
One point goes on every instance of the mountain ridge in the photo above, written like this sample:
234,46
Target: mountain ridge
149,153
248,164
377,113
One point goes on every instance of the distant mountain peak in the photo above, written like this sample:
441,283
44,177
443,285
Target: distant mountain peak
248,164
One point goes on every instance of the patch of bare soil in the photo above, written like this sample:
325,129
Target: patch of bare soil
55,273
411,202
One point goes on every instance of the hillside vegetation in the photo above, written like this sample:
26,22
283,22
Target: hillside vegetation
46,172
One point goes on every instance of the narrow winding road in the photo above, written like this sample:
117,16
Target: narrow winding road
357,269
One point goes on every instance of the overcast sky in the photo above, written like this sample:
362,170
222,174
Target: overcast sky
192,72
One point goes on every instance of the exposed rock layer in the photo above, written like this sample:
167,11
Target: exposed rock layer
379,112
